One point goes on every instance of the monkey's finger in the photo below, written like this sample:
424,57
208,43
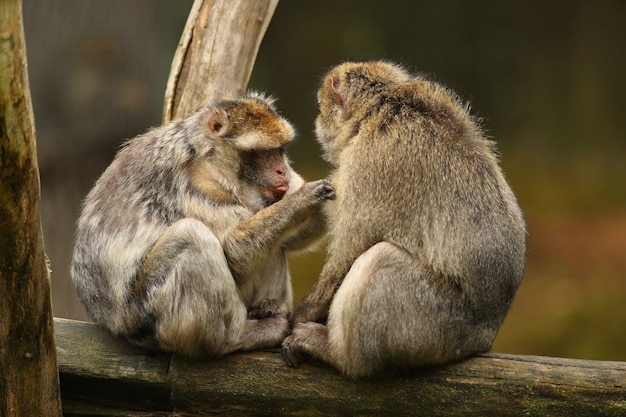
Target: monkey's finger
330,195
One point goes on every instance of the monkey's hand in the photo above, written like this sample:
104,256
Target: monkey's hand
268,308
320,190
305,201
306,339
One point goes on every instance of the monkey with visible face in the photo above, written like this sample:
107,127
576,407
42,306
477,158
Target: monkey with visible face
181,243
427,241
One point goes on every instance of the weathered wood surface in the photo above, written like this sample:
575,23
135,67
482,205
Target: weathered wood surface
29,384
216,53
101,375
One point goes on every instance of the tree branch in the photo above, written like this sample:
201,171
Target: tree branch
216,53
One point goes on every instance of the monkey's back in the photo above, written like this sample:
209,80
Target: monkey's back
421,175
127,210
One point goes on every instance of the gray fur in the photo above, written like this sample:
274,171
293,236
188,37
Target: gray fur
174,215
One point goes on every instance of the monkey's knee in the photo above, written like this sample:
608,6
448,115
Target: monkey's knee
372,263
187,247
189,234
192,295
200,325
350,335
392,312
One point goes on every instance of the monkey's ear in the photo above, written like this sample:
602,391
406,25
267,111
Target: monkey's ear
338,96
217,122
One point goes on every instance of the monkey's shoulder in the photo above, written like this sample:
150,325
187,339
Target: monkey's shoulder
418,103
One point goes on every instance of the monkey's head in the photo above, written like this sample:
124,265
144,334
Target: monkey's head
346,94
249,140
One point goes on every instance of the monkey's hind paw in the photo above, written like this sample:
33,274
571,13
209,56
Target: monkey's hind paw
291,355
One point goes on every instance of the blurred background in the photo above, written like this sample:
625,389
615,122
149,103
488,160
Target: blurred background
546,77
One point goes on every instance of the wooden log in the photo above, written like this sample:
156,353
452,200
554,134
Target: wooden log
104,376
99,372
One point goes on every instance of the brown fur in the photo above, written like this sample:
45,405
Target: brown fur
427,243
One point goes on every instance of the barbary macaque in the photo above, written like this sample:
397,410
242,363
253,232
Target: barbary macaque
427,241
181,242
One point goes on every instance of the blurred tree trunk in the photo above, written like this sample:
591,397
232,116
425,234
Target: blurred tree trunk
216,53
29,382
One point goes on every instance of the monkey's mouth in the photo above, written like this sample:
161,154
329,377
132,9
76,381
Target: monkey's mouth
277,193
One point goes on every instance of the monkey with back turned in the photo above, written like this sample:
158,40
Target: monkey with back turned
181,243
427,241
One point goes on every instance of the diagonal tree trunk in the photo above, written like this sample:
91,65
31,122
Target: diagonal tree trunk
29,383
216,53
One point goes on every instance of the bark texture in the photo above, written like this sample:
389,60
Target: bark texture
28,369
104,376
216,53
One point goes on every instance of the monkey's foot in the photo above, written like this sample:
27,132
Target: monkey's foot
306,339
291,355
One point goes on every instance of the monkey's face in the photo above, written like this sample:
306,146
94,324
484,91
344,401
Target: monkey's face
253,135
268,171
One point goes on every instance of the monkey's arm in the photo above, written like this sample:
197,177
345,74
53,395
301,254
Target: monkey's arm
307,233
343,250
315,304
268,229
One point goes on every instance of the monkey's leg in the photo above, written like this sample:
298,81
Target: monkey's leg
267,308
390,312
311,338
308,338
194,299
189,291
393,311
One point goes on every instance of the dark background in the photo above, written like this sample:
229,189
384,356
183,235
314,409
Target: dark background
546,77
